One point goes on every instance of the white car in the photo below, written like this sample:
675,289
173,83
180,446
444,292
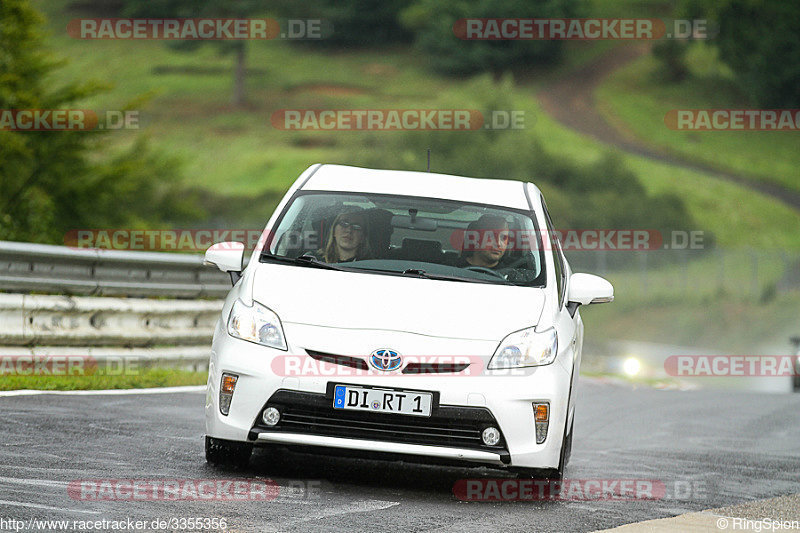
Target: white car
401,315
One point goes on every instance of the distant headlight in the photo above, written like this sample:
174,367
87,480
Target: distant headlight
526,348
256,324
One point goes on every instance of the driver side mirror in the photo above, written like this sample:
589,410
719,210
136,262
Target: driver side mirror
226,256
585,289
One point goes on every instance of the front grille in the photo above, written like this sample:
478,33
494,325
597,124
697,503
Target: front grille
434,368
343,360
411,368
313,414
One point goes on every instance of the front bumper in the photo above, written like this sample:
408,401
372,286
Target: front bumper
388,448
505,399
454,431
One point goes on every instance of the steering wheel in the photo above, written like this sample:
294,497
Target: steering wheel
518,263
485,270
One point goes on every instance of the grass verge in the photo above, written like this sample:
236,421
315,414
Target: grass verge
143,379
638,98
238,152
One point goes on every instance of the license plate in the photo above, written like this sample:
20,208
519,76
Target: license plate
382,400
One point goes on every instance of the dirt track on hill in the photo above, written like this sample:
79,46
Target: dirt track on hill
571,101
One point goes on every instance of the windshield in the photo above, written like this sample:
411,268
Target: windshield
411,236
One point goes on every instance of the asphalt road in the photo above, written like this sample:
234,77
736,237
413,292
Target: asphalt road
709,449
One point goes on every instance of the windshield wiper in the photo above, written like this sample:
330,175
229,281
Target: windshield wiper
304,260
423,274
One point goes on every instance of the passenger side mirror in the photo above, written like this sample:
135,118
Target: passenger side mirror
585,289
226,256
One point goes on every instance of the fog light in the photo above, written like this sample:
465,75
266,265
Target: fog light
490,436
226,389
541,416
271,416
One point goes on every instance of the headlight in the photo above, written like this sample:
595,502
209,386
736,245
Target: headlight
526,348
256,324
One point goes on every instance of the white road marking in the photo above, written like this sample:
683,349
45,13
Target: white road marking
299,498
112,392
354,507
37,506
36,482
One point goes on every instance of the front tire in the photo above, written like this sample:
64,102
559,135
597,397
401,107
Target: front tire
553,474
228,453
566,451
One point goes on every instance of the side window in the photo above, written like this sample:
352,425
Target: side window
558,260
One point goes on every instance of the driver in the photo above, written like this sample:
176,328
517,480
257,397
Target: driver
485,242
349,240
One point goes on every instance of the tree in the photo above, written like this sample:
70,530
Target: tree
55,181
672,55
352,22
236,9
433,20
760,41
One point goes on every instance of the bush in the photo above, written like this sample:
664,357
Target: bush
604,194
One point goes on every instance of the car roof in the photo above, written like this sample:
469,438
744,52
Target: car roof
505,193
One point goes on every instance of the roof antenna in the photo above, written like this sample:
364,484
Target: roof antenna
429,159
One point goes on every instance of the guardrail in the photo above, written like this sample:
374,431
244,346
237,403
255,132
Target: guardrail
169,330
46,320
64,270
116,360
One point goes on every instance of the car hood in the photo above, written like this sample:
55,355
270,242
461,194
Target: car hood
351,300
